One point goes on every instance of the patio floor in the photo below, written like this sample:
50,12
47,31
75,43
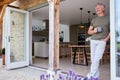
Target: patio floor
28,73
25,73
66,65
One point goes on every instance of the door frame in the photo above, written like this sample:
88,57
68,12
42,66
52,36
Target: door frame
7,43
113,41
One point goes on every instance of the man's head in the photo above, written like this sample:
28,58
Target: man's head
100,9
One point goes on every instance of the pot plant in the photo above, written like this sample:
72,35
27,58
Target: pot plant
3,56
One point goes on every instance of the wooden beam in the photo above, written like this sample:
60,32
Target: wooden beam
1,8
2,3
1,0
25,4
6,2
2,12
53,34
56,33
1,24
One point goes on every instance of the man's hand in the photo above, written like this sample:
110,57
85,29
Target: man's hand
95,30
104,40
92,30
107,38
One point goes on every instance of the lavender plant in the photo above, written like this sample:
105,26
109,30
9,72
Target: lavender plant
59,76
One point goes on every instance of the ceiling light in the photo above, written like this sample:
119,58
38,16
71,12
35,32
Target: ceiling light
81,24
89,17
94,15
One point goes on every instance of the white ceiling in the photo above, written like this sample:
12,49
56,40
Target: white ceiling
70,11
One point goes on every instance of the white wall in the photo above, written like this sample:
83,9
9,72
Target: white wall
65,29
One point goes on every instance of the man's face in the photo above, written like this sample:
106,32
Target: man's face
99,9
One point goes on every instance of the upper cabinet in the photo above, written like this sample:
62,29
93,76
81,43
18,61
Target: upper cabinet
41,29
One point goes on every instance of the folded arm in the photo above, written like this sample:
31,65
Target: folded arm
92,30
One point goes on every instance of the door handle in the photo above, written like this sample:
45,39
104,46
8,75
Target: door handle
8,38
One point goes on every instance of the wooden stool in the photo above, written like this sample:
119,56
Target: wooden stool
79,56
88,54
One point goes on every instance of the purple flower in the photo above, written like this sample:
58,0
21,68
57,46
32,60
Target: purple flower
70,72
75,77
96,79
70,76
79,78
42,77
55,71
92,78
48,76
60,76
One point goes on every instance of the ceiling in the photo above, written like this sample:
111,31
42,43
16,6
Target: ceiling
70,11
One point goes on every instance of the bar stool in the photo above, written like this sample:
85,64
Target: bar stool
88,54
79,55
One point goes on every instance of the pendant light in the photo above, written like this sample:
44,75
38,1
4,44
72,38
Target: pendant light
94,15
88,16
81,24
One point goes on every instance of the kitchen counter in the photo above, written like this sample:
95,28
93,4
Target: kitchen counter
41,49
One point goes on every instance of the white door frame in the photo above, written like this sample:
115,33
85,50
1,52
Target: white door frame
13,65
30,38
113,60
112,40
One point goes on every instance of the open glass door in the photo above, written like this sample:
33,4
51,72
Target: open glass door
115,39
17,38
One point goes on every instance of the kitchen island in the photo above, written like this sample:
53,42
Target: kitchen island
41,49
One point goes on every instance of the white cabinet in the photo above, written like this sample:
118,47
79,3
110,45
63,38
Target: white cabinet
41,49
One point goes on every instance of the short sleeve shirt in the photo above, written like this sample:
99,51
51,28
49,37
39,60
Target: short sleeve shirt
102,22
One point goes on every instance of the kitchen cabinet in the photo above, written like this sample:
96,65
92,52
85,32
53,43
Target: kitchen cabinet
41,49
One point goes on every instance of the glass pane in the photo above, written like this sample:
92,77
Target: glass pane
17,26
117,20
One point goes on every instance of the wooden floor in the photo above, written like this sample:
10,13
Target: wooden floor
66,65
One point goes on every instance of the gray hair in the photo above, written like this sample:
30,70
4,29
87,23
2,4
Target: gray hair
101,4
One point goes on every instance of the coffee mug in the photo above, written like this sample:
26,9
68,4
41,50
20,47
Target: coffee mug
99,29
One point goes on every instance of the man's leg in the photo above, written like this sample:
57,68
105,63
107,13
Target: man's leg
98,55
93,44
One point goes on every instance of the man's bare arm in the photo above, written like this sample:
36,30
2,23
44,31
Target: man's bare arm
107,38
91,30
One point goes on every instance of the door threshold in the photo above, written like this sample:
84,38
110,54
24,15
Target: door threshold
38,68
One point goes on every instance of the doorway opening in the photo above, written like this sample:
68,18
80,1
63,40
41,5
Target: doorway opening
40,37
70,33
